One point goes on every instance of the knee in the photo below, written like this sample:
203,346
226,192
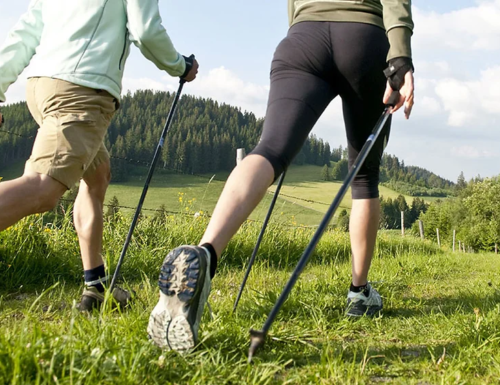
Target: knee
98,182
48,195
103,180
278,162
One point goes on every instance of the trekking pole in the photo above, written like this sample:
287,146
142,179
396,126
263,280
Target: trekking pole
259,240
148,180
257,337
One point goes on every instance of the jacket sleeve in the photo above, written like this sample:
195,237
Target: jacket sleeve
398,23
148,34
20,46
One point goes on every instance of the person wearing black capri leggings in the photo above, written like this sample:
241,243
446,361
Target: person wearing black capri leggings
333,48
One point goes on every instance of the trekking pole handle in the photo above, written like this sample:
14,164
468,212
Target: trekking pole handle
182,80
393,99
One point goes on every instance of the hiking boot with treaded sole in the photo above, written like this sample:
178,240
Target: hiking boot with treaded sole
184,288
358,304
92,299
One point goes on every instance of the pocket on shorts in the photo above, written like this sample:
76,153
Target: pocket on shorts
79,138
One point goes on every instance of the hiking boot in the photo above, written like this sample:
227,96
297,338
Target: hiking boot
368,302
184,288
92,299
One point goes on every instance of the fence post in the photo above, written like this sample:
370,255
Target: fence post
421,227
459,246
240,154
402,223
454,239
439,239
496,248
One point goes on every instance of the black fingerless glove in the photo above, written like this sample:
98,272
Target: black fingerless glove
189,65
395,73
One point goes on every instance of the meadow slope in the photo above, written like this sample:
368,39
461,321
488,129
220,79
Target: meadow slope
440,323
303,201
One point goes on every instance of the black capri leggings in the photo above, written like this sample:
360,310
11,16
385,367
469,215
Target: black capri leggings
315,63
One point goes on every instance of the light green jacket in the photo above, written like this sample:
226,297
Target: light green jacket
86,42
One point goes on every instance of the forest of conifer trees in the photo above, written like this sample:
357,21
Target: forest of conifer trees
203,139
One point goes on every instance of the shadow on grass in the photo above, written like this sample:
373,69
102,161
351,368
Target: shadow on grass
297,353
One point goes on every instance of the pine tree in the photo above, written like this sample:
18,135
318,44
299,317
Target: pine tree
325,173
340,170
343,220
113,209
461,183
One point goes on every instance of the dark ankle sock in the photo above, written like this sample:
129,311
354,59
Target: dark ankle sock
358,289
213,258
95,277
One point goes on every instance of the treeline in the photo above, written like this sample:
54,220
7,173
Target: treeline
418,191
412,180
408,180
390,212
203,138
474,215
16,146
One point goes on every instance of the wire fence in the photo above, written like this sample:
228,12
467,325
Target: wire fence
18,135
161,210
132,208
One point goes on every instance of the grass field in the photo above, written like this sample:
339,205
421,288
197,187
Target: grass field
440,325
305,182
302,186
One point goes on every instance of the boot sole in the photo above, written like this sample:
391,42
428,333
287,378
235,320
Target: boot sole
169,326
370,312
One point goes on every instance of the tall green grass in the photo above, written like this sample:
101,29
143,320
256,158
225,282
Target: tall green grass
439,325
35,252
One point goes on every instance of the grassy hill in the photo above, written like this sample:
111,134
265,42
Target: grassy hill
302,185
440,323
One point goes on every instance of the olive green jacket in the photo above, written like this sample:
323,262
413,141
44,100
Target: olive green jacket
392,15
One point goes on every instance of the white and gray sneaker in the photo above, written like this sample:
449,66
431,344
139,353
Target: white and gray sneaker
360,304
184,289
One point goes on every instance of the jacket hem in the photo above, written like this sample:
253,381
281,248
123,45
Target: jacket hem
95,81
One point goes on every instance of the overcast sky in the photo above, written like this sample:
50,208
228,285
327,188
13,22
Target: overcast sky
455,123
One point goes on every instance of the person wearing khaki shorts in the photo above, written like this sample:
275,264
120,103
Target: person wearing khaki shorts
73,121
73,91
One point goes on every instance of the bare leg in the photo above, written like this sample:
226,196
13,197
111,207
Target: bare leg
30,194
244,189
88,215
363,228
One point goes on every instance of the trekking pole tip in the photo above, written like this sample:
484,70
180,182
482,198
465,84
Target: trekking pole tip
257,338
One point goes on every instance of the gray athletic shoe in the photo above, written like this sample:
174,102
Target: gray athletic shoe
184,288
92,299
358,304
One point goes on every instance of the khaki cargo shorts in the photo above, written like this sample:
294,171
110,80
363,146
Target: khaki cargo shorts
73,121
